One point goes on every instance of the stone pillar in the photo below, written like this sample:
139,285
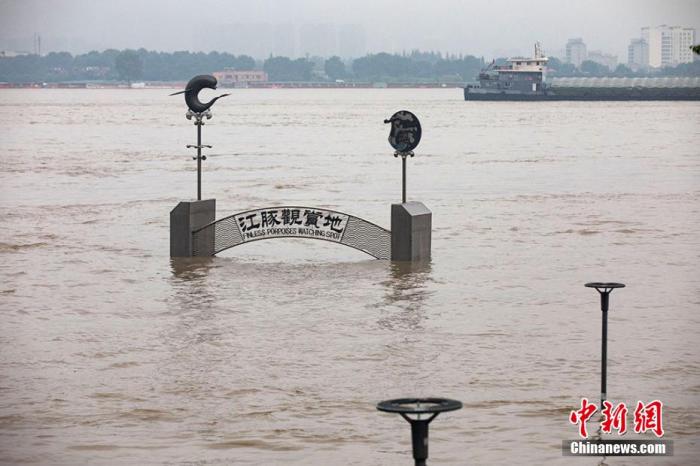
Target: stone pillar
411,225
186,217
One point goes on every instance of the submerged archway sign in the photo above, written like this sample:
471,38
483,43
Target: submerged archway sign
291,222
194,230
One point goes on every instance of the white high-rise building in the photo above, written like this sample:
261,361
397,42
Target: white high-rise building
576,52
638,54
669,45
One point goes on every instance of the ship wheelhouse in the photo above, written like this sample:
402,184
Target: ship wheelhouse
519,74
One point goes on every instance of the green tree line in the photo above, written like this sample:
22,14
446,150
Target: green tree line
591,68
113,65
131,65
416,66
421,66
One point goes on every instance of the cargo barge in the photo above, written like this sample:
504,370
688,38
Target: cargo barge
525,79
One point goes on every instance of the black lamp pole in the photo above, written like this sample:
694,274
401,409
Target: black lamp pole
403,179
199,159
403,155
604,289
198,121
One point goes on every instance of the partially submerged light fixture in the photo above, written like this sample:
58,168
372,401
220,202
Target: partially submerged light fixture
412,409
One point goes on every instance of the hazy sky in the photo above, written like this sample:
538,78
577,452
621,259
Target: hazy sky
489,28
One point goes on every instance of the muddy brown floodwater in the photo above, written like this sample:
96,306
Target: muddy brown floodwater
276,352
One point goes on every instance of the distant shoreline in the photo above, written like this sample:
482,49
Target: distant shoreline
265,85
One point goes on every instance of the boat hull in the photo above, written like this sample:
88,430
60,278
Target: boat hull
588,94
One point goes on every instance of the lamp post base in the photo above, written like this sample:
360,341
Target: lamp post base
186,217
411,225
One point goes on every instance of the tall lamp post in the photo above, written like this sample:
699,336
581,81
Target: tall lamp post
199,111
604,289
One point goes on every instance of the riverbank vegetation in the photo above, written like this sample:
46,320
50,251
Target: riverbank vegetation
414,66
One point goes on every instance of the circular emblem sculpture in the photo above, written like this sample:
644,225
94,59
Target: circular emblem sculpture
405,131
191,92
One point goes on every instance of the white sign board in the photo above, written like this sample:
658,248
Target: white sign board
285,222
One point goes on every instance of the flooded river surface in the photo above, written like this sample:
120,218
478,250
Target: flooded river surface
277,352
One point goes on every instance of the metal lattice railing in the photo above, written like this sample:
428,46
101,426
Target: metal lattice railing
292,222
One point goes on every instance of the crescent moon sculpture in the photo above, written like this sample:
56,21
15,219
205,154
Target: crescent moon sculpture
191,92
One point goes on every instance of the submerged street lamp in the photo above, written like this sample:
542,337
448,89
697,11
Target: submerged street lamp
404,137
411,409
604,289
199,110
